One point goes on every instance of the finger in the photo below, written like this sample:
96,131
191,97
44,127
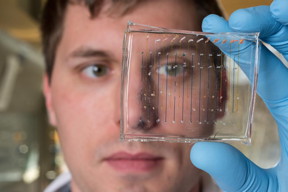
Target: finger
279,111
279,10
215,24
273,76
254,19
259,19
231,170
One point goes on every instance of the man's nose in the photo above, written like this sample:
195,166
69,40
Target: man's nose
141,105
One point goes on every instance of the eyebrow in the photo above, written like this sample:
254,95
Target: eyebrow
177,46
171,48
87,52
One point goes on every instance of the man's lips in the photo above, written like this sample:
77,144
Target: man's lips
139,162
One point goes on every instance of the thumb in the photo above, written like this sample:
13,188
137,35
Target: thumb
231,170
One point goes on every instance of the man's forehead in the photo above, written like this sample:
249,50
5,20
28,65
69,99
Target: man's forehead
107,32
142,10
120,6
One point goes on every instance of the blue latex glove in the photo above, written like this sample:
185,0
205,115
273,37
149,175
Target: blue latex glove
230,168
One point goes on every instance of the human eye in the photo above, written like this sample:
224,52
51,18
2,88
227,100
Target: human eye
95,71
172,70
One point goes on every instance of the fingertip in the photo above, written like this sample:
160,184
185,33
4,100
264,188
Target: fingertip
196,154
224,163
215,24
208,155
237,17
247,20
279,11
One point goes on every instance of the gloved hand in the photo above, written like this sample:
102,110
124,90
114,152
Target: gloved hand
230,168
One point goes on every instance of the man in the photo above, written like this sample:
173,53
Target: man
82,46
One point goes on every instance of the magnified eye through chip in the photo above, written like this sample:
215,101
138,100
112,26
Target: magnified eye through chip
186,86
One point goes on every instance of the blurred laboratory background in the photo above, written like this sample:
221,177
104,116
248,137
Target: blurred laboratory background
30,157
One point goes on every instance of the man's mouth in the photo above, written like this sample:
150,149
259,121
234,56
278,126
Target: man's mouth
139,162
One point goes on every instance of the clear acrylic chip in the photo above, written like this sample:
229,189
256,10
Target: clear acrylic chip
186,86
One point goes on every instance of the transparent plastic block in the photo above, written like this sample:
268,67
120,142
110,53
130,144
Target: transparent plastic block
186,86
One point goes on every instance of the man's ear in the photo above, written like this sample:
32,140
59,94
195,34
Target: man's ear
48,100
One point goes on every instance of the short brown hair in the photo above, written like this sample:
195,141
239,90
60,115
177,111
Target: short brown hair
54,15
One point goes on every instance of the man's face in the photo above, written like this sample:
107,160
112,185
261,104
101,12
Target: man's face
83,101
